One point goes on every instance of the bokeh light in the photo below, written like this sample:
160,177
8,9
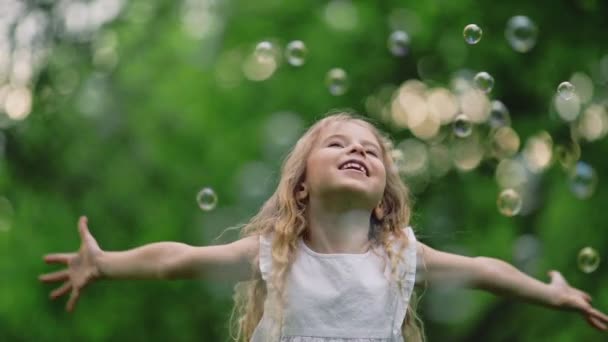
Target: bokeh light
538,152
399,43
521,33
504,142
336,81
583,180
341,15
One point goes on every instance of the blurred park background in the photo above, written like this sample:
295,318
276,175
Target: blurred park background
125,110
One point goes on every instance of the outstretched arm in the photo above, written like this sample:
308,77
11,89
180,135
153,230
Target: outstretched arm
501,278
161,260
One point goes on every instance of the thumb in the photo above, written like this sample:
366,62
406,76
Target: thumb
556,277
85,235
82,227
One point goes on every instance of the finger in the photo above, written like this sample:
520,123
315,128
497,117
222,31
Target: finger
55,276
72,301
58,258
60,291
597,323
82,227
598,314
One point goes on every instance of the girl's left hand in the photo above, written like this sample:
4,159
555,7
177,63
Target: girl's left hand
570,298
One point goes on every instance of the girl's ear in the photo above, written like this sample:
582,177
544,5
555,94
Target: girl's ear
302,192
379,212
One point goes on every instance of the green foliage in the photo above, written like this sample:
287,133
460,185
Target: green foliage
131,144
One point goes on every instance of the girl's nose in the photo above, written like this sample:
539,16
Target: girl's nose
357,148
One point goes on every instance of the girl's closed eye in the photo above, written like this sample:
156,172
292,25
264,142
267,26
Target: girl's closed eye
372,152
335,144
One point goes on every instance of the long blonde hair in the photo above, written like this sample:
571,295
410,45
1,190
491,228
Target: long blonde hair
283,215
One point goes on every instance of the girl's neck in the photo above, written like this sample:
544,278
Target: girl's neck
337,231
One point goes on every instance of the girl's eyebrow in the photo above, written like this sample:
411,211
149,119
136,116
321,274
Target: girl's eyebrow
342,136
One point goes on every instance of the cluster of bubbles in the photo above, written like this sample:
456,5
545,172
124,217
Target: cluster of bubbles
460,126
267,56
295,52
481,128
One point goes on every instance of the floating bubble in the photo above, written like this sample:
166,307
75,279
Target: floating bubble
511,173
399,43
588,260
296,53
583,180
521,33
472,34
565,90
337,81
264,51
207,199
567,154
509,202
462,126
484,81
499,115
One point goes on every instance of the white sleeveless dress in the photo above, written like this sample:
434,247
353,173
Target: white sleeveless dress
338,297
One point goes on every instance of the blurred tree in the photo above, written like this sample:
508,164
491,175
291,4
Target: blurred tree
124,110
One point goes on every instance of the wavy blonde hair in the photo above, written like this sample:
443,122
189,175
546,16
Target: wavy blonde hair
284,215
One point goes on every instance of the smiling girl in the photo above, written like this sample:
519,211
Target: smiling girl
329,257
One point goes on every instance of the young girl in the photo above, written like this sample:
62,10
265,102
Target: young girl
332,252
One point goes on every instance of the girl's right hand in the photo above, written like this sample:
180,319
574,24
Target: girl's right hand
82,267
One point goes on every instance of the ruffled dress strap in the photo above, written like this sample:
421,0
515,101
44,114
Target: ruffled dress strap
266,255
407,275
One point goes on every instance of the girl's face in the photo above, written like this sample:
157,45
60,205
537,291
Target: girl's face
346,160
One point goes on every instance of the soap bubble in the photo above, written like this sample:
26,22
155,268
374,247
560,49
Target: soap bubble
521,33
337,81
583,180
509,202
296,53
499,115
264,51
484,81
566,90
588,260
207,199
462,126
567,153
472,34
399,43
